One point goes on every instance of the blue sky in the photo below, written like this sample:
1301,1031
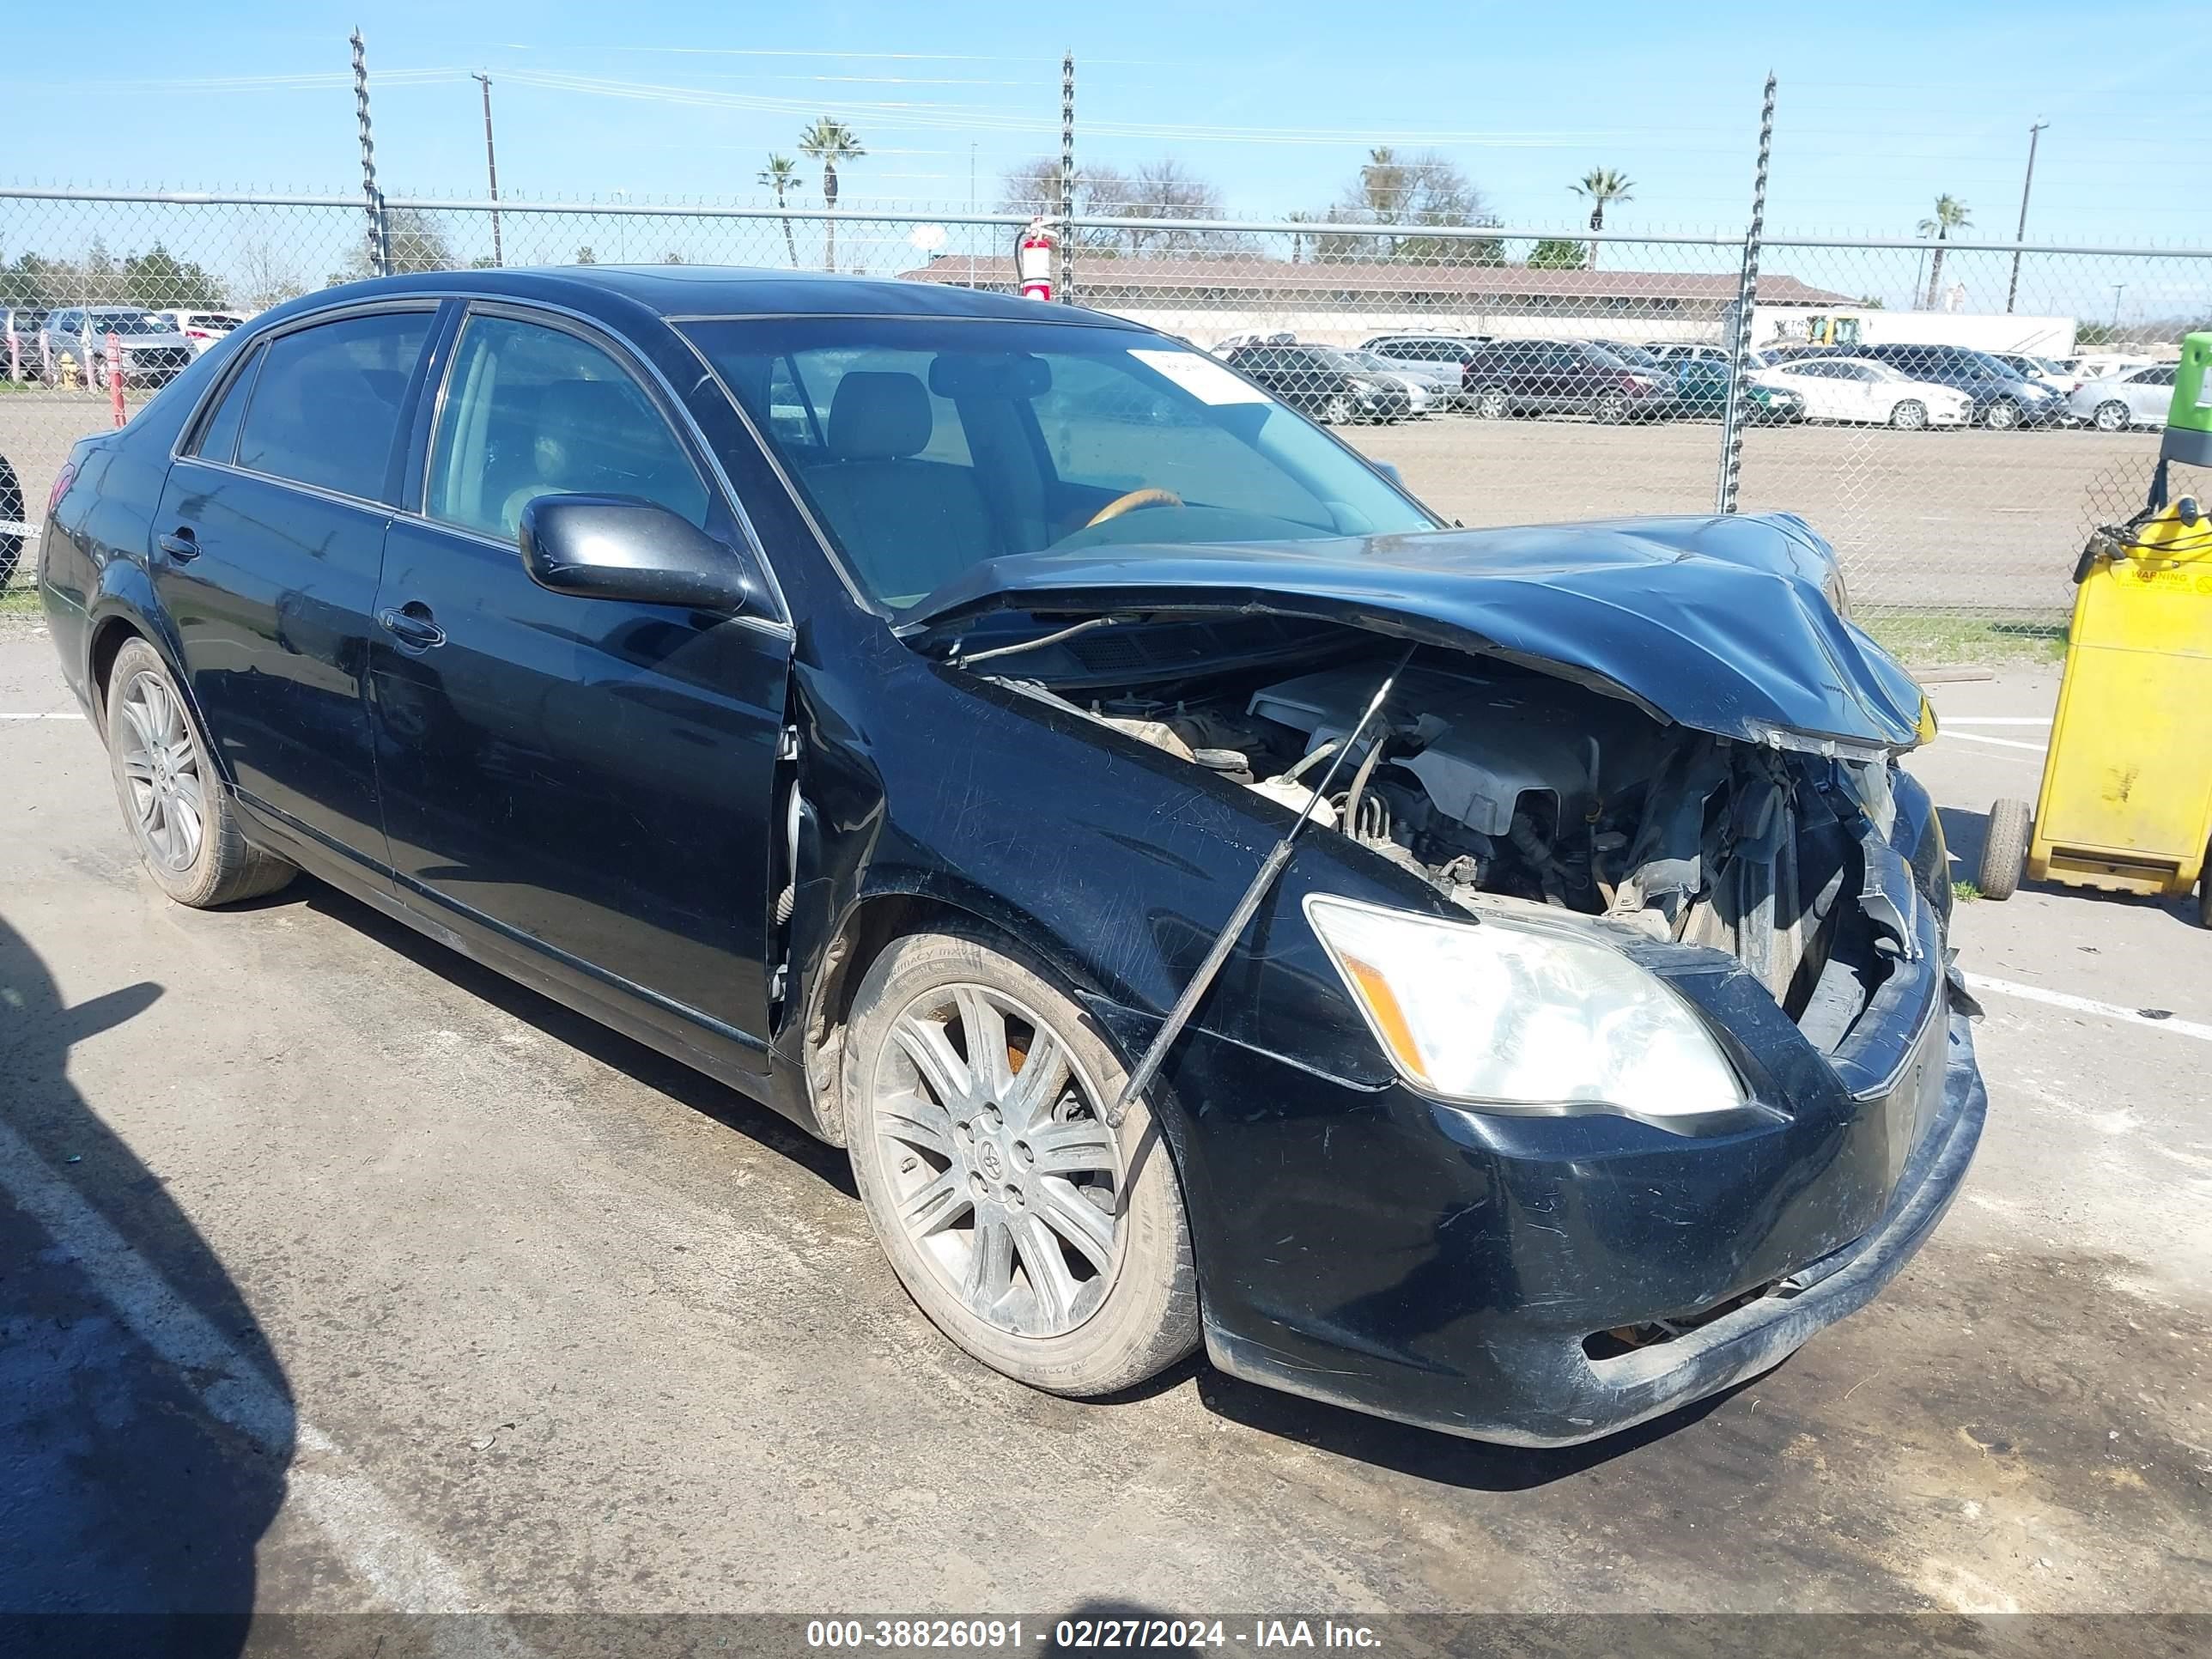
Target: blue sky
1882,104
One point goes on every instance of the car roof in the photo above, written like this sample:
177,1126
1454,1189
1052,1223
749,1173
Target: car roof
689,291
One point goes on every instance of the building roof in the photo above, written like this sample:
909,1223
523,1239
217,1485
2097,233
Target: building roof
1352,280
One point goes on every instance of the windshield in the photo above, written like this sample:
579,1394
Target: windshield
1636,355
924,444
128,322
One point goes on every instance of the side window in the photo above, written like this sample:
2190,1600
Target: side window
531,411
326,405
2159,376
218,439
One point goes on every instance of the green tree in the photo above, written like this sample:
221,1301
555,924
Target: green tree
1600,187
413,242
1409,190
157,278
781,176
830,141
586,256
1951,215
1558,253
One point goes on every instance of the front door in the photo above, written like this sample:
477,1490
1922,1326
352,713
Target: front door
581,783
266,556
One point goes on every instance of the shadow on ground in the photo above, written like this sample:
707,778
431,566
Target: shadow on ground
135,1477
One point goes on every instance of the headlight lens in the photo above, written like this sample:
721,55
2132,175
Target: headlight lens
1524,1016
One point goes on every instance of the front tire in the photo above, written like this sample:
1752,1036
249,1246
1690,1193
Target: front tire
1491,405
1612,409
2002,416
1047,1246
1909,416
2110,416
1337,411
186,826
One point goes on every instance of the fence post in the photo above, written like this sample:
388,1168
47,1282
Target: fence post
379,254
1747,296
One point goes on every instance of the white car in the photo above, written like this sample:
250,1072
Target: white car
2134,397
2103,365
201,329
1425,391
1854,389
2041,370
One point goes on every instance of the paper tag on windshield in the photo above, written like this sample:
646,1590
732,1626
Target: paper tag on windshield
1202,377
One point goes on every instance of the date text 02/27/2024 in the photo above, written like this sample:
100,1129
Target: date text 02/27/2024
1087,1635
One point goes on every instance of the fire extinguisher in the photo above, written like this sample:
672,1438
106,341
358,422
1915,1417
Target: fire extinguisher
1033,260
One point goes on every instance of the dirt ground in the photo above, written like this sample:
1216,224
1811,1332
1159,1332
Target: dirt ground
338,1274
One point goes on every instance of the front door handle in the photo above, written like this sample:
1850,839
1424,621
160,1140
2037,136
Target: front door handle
179,545
411,626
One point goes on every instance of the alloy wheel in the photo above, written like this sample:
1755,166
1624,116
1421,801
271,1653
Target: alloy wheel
2004,415
1909,416
1491,406
1006,1178
2111,416
1338,412
161,768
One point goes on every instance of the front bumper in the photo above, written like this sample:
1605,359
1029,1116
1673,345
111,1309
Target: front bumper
1508,1372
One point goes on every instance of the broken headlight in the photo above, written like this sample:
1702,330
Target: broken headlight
1525,1016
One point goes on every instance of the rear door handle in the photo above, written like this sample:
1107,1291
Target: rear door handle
179,545
411,626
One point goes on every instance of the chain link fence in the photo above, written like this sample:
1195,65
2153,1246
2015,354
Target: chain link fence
1954,416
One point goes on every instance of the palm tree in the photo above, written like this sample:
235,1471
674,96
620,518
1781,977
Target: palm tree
781,176
830,141
1599,186
1951,213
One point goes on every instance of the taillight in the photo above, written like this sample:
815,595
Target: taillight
62,480
197,334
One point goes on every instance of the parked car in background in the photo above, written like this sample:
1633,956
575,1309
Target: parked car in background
154,352
1563,377
1329,385
14,511
2134,397
1701,388
1671,351
1859,390
2043,371
1253,337
201,329
2001,396
23,341
2103,365
1426,390
1529,1103
1442,355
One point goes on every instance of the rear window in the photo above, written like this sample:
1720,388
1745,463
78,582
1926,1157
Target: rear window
218,439
326,407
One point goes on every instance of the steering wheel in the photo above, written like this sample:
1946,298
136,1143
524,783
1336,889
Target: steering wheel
1130,502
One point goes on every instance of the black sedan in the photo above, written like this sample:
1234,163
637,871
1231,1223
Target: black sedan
1496,978
1333,387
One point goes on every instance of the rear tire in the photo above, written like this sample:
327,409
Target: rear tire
2110,416
1048,1246
1909,416
1612,408
2002,416
1337,411
2004,849
1491,404
179,812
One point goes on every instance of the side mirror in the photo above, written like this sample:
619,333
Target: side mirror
1389,472
616,547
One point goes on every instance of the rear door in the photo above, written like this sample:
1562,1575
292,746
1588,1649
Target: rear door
2150,393
581,786
266,555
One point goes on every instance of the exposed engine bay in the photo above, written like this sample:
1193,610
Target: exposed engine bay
1488,779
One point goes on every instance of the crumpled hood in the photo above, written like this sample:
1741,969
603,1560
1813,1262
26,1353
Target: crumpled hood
1720,623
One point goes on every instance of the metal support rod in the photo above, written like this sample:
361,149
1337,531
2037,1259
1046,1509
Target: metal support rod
1746,298
379,254
1067,178
1148,1068
2012,291
491,171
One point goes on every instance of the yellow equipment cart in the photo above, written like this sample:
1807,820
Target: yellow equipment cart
2126,803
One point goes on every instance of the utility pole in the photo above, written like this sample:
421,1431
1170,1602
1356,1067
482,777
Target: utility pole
2118,288
1067,178
491,168
2021,236
379,252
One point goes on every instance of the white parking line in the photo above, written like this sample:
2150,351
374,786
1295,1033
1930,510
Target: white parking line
2004,987
1994,720
375,1537
2002,743
65,714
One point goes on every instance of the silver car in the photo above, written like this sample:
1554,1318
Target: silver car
2134,397
1426,391
1441,357
152,352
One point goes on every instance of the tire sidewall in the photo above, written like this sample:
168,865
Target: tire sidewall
2117,412
1899,418
1149,1316
191,887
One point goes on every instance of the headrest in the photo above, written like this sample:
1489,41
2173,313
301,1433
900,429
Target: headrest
988,375
879,416
575,407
